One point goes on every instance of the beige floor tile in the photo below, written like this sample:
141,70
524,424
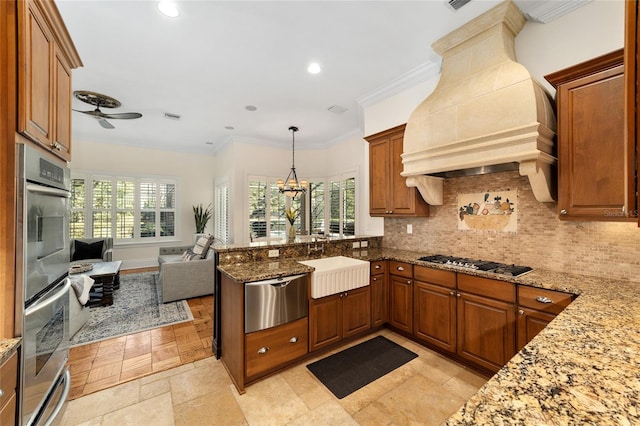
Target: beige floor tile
196,382
100,403
219,408
370,415
465,384
270,402
154,388
310,390
157,411
418,401
435,367
167,373
328,414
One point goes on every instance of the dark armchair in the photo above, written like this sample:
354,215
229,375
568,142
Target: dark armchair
91,250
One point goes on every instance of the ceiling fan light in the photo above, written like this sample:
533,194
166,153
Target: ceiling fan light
168,8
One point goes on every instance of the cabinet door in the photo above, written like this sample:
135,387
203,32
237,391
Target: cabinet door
379,300
325,321
435,315
486,331
401,303
356,311
36,85
530,323
379,172
402,198
62,107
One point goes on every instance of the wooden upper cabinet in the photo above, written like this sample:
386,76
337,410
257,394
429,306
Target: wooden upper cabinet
596,166
46,56
388,193
631,73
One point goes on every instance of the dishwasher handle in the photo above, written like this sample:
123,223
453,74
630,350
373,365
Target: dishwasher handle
276,282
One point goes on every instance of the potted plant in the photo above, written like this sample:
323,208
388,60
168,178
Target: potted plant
291,215
202,217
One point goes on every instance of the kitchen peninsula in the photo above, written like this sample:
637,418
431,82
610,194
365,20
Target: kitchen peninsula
582,368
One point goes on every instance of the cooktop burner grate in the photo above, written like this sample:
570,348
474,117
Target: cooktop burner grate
476,264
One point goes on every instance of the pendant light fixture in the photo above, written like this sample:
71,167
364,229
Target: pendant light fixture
291,187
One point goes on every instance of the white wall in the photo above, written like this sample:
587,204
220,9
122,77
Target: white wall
195,174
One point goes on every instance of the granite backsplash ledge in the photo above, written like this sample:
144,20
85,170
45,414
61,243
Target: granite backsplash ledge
259,252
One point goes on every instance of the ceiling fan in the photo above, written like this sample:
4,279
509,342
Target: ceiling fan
99,100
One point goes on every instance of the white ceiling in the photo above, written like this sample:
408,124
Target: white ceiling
219,56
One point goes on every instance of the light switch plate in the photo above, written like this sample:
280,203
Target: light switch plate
274,253
409,228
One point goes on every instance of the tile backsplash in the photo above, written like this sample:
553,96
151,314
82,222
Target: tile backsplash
604,249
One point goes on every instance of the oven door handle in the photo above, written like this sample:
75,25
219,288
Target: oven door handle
64,291
48,191
66,382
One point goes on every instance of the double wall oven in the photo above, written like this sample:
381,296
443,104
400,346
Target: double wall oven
42,298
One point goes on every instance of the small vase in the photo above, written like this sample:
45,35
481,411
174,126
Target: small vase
292,234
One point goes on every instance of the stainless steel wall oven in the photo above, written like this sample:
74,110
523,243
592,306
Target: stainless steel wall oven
43,288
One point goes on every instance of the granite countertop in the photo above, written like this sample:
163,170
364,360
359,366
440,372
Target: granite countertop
581,369
8,347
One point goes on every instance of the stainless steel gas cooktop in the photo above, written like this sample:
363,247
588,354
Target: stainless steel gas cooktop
480,265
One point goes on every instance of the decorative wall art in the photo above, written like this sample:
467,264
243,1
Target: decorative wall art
488,211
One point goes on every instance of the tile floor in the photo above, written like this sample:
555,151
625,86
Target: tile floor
425,391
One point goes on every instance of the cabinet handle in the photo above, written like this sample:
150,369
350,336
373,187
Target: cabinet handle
375,279
400,268
377,266
1,393
521,312
563,212
543,299
294,339
458,295
263,350
408,281
453,293
56,146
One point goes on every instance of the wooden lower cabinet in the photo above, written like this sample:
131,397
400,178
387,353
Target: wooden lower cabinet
530,323
537,307
379,294
269,349
401,303
434,312
333,318
8,384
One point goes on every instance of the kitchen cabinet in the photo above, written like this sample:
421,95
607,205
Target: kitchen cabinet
8,385
339,316
46,56
486,318
537,307
379,293
388,193
596,159
631,73
435,307
401,296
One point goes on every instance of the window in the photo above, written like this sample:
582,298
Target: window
134,209
221,219
332,202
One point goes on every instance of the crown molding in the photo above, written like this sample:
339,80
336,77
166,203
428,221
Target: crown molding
546,11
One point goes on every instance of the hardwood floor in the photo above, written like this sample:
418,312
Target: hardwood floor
100,365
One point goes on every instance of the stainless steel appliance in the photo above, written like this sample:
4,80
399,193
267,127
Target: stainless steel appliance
42,302
276,301
480,265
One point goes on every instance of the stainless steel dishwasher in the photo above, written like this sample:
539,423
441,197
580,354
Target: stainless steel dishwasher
276,301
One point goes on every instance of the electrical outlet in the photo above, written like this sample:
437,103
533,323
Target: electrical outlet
409,229
356,244
274,253
364,244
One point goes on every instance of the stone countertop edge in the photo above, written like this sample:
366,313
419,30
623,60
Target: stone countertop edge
583,368
8,347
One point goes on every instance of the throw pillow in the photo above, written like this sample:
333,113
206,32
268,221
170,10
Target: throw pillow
189,255
84,250
202,245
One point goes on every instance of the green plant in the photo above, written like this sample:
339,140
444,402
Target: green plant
291,214
202,216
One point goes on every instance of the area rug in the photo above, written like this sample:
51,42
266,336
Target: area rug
347,371
137,306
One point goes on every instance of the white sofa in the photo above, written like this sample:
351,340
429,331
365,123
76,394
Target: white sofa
183,279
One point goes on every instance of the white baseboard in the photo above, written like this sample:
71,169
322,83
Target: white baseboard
139,263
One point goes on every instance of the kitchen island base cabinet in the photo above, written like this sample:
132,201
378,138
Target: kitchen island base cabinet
8,386
537,307
401,296
339,316
379,294
530,323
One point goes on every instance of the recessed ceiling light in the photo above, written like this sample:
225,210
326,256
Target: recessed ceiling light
208,143
168,8
250,108
229,127
314,68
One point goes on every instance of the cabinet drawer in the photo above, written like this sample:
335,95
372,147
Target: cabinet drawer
8,378
435,276
271,348
378,267
494,289
542,299
401,269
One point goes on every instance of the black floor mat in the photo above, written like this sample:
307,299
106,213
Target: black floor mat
353,368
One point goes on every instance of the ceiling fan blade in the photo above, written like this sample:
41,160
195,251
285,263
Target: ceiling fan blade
104,123
122,115
95,113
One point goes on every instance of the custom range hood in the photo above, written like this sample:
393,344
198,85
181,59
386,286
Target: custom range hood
486,114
